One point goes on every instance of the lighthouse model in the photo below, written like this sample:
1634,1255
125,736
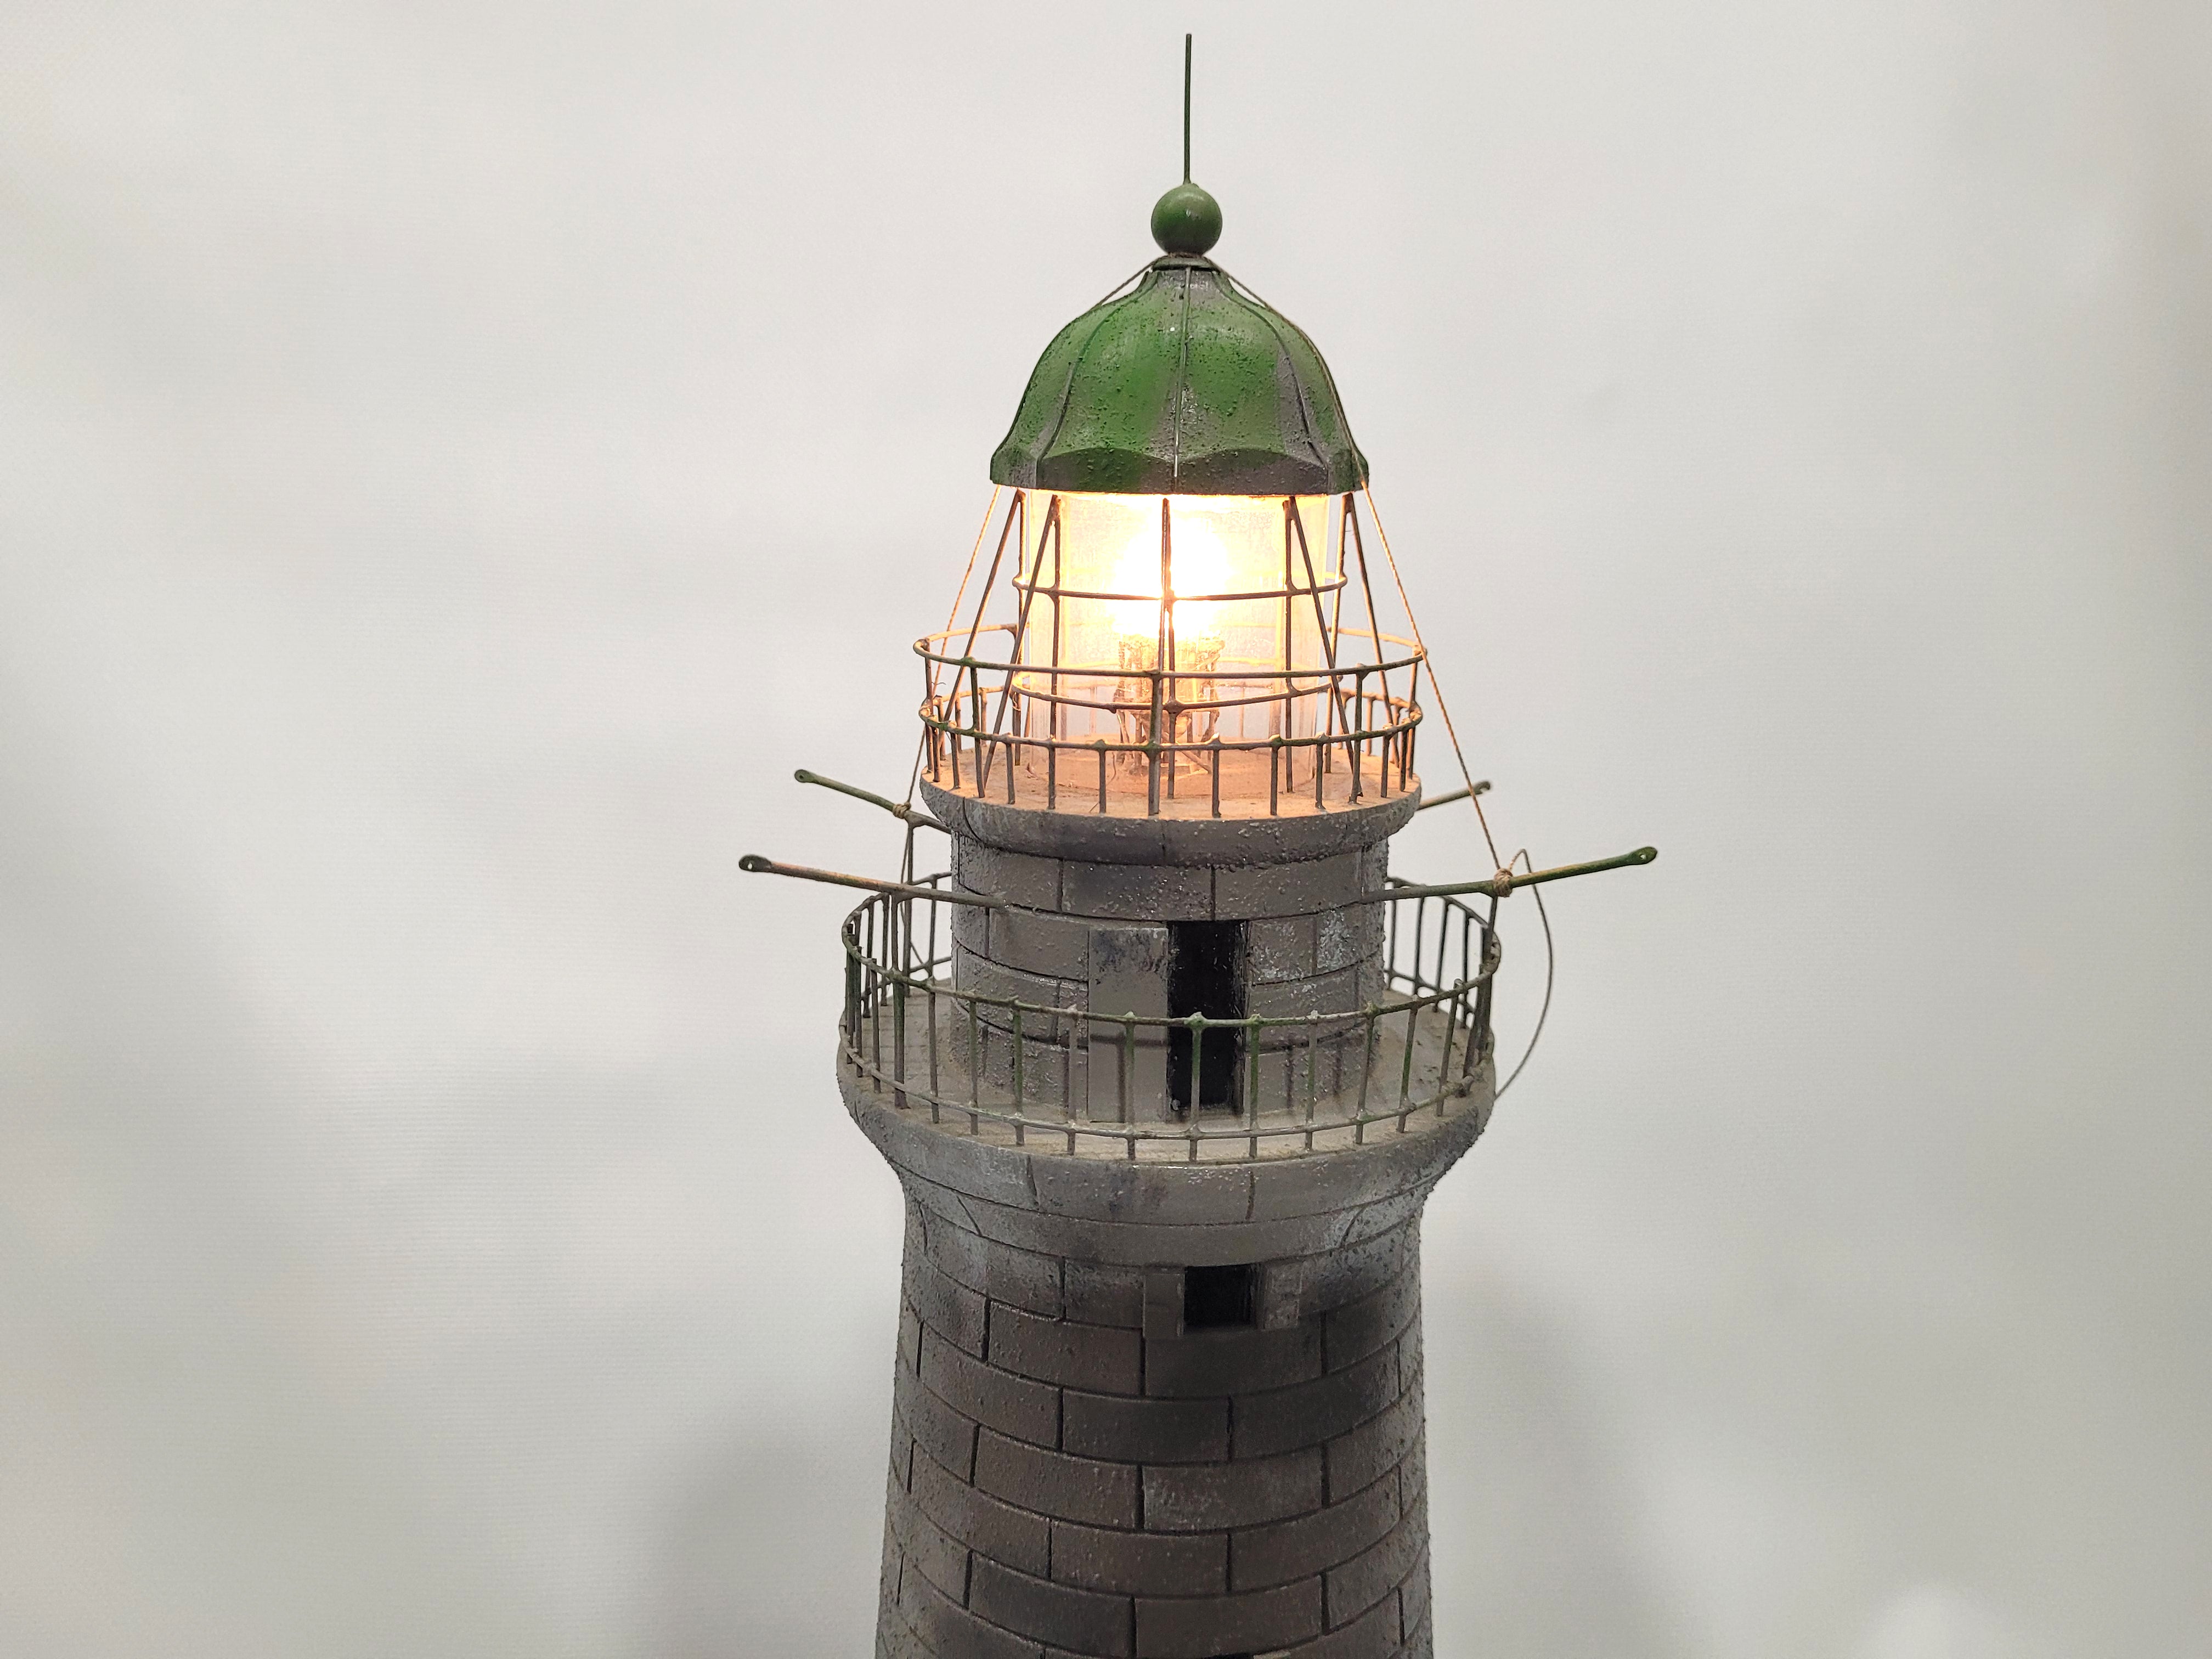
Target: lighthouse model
1166,1062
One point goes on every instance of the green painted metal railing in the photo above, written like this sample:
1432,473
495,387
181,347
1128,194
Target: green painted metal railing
1029,1073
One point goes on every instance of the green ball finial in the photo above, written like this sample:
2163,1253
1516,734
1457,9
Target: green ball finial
1187,220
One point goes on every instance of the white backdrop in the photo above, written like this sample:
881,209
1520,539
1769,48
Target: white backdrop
456,460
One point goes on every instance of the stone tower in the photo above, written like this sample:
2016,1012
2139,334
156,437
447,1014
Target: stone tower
1166,1105
1147,1406
1166,1062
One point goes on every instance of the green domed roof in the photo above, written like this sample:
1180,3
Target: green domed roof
1186,385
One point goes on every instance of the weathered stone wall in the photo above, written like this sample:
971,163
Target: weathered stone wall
1312,945
1075,1472
1075,1469
1093,936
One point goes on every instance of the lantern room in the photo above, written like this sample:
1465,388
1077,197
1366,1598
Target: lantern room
1178,616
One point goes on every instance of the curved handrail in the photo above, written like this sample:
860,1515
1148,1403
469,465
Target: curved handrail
975,1060
1163,725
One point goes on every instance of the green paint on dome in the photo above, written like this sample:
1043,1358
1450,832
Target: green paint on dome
1186,385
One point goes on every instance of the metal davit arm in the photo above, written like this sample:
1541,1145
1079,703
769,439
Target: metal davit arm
1506,881
904,814
754,864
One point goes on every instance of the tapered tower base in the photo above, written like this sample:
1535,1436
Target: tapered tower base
1145,1411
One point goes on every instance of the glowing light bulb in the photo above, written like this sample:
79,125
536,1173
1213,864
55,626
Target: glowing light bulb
1199,567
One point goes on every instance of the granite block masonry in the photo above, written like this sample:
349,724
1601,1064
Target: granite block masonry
1151,1409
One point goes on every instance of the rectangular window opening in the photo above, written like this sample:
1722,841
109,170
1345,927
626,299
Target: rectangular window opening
1206,976
1218,1298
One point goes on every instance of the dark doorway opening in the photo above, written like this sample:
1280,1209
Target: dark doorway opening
1218,1298
1206,976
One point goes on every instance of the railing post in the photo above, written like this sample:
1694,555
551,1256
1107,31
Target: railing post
1067,1074
1405,1070
898,1008
875,993
1251,1101
953,725
1355,740
1197,1081
930,995
1366,1059
975,727
1490,956
1128,1066
1016,1065
1313,1068
974,1065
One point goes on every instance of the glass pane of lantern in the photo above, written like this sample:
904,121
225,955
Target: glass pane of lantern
1243,632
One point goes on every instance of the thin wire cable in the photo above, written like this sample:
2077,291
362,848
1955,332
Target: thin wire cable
1436,682
951,622
1550,963
952,618
1436,691
1123,283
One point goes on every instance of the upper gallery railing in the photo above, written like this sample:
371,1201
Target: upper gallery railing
1132,740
